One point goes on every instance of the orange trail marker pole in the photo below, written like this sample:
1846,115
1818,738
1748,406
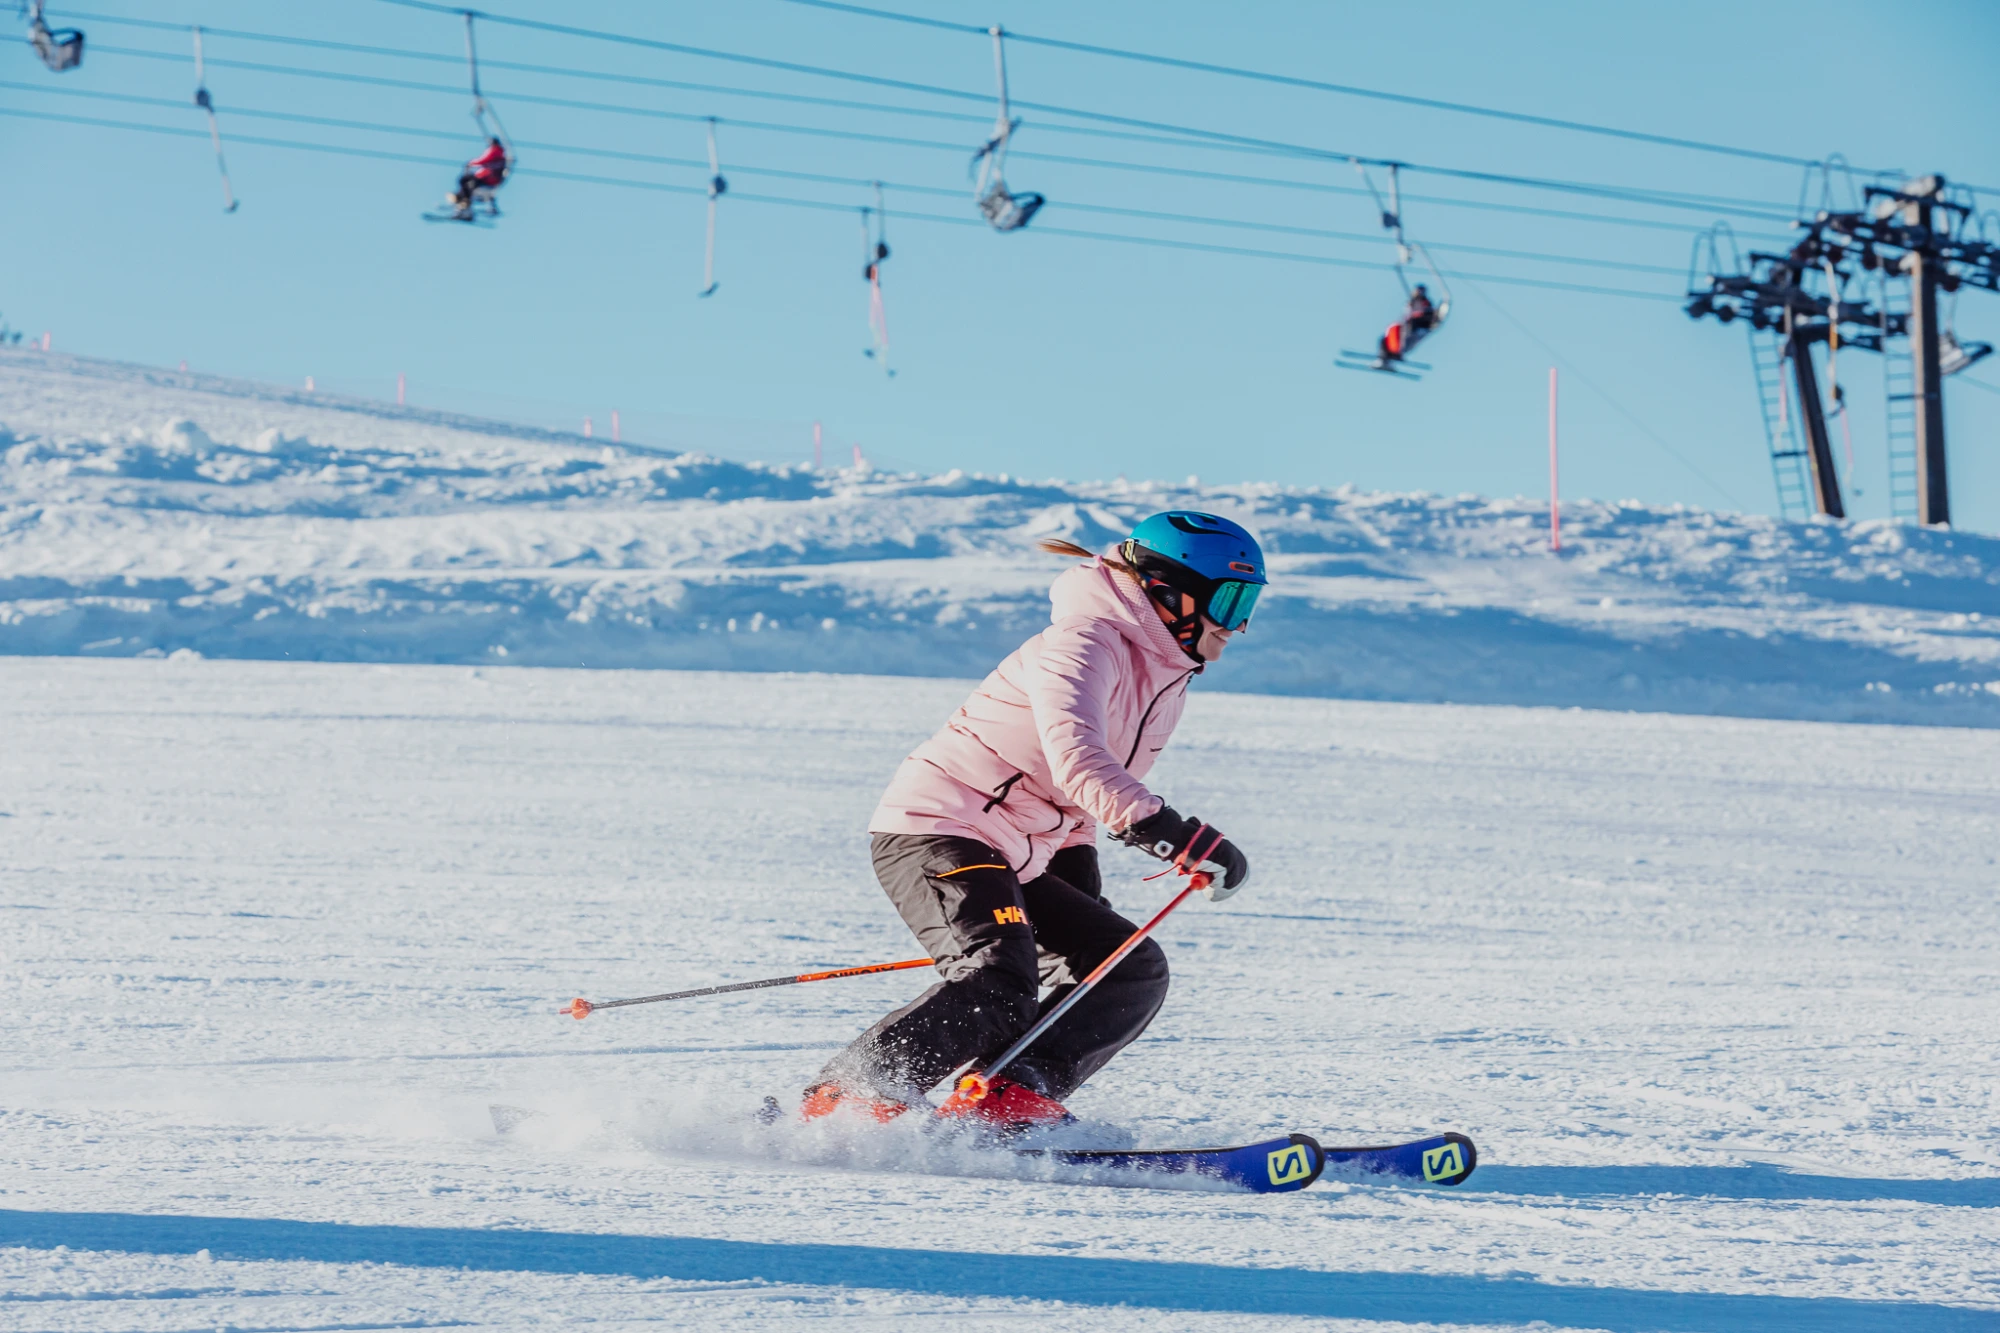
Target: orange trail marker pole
581,1008
1555,500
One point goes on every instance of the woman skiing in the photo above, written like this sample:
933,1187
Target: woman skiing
985,839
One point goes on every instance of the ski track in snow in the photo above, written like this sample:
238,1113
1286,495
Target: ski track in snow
144,512
1713,995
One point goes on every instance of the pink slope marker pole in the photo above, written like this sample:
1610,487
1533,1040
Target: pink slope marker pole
401,386
1555,498
859,461
615,430
819,459
586,428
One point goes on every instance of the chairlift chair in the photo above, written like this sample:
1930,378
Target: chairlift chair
1953,355
875,249
1004,209
481,204
207,104
717,187
60,49
1395,361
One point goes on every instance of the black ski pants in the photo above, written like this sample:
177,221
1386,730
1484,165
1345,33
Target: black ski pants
997,942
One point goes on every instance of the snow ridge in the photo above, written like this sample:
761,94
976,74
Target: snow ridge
144,513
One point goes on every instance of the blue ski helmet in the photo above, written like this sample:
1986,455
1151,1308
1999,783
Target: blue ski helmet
1214,561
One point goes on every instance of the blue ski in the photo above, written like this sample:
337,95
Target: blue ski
1276,1166
1446,1159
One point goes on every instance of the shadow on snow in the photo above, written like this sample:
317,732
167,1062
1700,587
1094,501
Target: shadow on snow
1756,1181
1103,1282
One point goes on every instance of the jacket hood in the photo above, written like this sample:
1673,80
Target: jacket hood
1100,591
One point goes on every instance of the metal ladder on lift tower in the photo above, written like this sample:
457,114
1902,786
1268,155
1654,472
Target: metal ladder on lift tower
1781,425
1899,405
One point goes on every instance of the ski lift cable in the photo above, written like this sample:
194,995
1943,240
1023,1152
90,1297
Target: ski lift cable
1327,261
1320,85
1665,199
1090,162
822,178
859,136
1767,211
1092,131
807,99
1241,142
933,113
1110,164
850,76
207,104
1318,233
620,109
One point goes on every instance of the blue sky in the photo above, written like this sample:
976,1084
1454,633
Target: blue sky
1034,353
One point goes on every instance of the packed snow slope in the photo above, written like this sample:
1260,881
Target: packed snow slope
1715,997
147,512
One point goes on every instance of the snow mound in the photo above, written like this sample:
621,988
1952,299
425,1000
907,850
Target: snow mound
145,513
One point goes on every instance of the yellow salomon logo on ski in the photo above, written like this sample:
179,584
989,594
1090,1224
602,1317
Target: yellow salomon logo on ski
1442,1162
1289,1164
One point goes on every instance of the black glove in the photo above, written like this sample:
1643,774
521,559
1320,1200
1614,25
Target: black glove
1167,835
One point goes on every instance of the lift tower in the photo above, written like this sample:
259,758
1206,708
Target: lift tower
1916,233
1915,207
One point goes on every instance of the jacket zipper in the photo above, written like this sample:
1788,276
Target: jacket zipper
1147,716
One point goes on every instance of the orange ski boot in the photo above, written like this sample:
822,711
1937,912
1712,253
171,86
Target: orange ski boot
823,1099
1003,1105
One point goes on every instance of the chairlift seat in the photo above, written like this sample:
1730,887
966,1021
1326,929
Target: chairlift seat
60,50
1954,356
1009,212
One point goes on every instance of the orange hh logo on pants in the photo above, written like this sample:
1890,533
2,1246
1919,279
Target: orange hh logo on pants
1010,916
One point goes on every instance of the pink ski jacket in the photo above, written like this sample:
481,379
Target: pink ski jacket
1056,740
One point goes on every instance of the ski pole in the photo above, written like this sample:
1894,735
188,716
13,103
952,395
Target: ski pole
976,1084
580,1008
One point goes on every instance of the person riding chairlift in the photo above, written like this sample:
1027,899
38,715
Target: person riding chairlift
484,172
1420,318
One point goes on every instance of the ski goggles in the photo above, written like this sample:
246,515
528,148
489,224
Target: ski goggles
1227,602
1230,603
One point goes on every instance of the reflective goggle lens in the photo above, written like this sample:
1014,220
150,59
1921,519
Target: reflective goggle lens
1232,602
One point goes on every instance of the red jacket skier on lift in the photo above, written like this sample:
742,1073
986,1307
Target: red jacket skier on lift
1420,318
484,172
